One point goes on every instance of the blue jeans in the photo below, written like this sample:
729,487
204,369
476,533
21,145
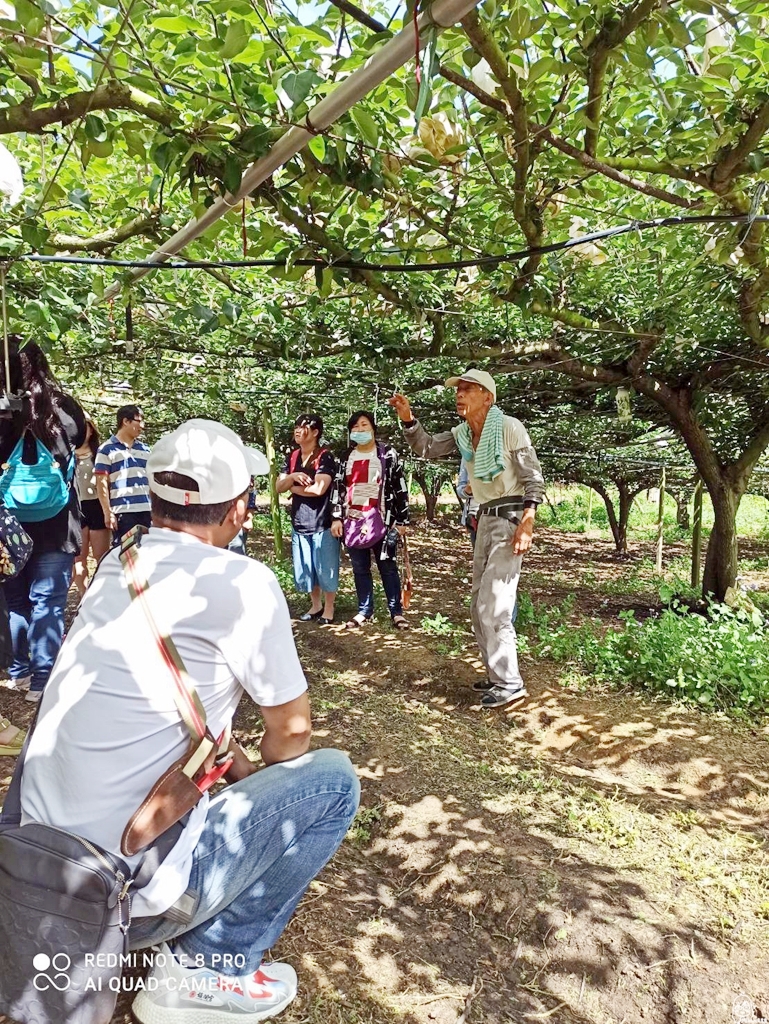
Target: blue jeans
37,598
315,557
364,581
264,841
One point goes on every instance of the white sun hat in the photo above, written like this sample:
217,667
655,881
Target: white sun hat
212,455
475,377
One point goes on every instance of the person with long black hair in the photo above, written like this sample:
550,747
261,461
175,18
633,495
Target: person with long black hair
37,597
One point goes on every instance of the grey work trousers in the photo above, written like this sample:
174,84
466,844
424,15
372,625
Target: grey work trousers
495,585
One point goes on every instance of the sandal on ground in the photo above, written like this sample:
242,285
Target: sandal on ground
400,623
309,616
500,696
356,622
13,748
324,621
482,685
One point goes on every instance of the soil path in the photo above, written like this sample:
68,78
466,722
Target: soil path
590,858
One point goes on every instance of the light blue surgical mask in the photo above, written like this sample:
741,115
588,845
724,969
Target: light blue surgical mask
361,436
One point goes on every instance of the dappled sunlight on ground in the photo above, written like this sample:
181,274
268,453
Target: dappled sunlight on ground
590,857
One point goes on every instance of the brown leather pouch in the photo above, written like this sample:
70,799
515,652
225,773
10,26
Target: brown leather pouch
175,794
172,796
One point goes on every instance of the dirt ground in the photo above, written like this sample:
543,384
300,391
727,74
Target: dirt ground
592,857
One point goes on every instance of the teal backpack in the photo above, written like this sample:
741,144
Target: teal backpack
34,491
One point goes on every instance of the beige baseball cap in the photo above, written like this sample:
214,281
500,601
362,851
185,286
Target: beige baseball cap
212,455
475,377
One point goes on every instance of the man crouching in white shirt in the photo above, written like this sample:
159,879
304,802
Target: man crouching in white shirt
109,727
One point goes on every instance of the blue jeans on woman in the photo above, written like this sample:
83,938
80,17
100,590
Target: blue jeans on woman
264,841
364,581
37,599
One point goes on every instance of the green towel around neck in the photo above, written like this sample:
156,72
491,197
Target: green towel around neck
488,456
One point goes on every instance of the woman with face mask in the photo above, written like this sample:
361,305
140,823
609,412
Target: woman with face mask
370,508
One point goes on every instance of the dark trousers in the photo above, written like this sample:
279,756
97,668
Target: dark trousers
364,581
126,521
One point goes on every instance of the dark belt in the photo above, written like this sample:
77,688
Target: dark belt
503,508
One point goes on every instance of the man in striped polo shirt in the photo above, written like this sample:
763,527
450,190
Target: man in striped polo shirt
121,475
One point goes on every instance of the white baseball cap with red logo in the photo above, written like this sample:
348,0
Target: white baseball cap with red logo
212,455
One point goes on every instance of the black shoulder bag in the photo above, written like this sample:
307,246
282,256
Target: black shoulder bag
65,910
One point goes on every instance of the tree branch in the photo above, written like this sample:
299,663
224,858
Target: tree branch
751,295
647,165
612,33
487,47
728,164
740,470
469,86
360,16
600,167
145,224
111,96
317,235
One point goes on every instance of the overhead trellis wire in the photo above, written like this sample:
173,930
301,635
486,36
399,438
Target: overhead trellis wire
404,268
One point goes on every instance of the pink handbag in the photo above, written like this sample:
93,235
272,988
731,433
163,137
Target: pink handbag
367,528
364,529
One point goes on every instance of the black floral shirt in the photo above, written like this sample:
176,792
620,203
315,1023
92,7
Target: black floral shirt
394,493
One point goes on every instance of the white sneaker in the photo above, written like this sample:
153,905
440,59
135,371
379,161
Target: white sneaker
33,696
16,684
176,994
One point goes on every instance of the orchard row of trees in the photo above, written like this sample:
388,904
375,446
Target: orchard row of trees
542,121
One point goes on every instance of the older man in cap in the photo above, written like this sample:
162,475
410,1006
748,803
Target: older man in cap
506,479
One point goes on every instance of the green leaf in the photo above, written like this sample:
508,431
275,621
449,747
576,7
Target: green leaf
236,39
297,87
366,125
95,128
255,140
34,234
230,310
541,67
233,173
678,31
135,143
29,17
80,199
182,23
317,146
37,313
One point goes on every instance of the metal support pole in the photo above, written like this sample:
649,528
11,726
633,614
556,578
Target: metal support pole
660,521
269,445
697,533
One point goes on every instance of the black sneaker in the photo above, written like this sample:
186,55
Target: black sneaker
481,685
499,696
